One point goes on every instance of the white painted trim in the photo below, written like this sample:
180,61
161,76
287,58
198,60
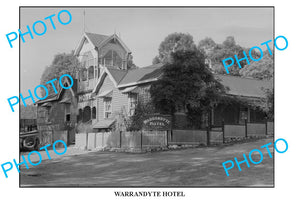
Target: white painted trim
104,108
114,36
110,76
79,46
101,79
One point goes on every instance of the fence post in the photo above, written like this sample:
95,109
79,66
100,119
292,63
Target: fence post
207,135
103,144
87,141
120,139
167,138
223,130
266,128
246,133
141,140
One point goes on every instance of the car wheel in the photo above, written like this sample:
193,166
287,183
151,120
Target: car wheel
29,143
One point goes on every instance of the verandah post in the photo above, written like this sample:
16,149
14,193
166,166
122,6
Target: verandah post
207,135
223,130
167,138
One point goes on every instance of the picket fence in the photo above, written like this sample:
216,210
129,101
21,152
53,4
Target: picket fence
141,140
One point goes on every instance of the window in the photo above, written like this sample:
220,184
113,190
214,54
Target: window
84,74
67,112
86,114
91,72
46,114
112,58
132,102
94,113
145,96
107,108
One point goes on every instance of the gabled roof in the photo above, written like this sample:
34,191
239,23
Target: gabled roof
54,97
141,75
96,39
117,74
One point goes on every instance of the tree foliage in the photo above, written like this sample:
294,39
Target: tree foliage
172,43
263,69
186,85
217,52
124,122
62,63
130,63
267,104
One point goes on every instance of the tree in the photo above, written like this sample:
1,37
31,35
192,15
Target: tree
186,85
263,69
267,104
172,43
141,111
130,64
217,52
62,63
207,43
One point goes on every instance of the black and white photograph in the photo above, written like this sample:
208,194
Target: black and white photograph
152,106
146,96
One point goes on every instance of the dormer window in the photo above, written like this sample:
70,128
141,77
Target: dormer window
112,58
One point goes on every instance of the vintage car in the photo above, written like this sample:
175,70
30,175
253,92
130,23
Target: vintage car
29,135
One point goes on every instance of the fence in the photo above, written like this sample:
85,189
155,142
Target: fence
248,129
141,140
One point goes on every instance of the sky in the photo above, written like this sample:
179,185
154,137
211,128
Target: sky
141,29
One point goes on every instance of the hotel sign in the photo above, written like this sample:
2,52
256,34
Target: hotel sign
84,97
157,122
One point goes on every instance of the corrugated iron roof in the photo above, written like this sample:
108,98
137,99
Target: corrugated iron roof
117,74
142,74
246,87
238,86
